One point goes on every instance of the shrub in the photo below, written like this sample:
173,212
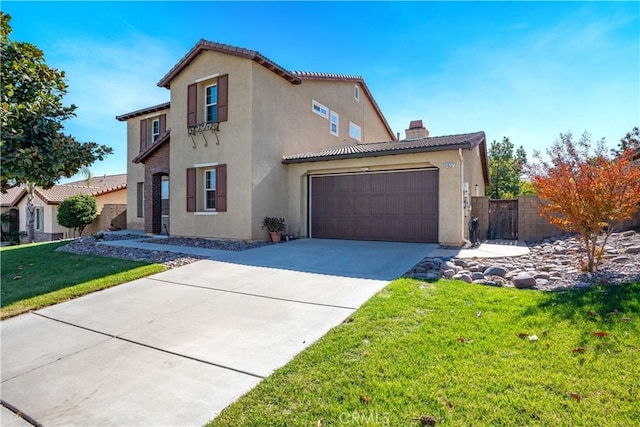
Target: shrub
77,212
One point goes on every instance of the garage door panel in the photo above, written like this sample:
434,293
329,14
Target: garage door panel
393,206
378,204
362,204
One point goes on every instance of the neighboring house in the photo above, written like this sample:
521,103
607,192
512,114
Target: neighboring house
243,138
108,190
9,204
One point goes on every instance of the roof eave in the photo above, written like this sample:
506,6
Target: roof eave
143,111
204,45
140,158
413,150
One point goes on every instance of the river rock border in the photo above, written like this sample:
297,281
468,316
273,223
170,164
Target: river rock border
90,245
552,265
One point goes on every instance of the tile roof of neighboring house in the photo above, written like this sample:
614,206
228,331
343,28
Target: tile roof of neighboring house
205,45
310,75
143,111
376,149
162,139
11,197
98,186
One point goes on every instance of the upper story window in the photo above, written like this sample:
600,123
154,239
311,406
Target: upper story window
334,123
355,132
319,109
151,129
207,101
211,103
356,92
155,130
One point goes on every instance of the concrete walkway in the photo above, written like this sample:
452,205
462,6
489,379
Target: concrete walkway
488,249
178,347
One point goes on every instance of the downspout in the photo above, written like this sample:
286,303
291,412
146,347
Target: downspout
462,212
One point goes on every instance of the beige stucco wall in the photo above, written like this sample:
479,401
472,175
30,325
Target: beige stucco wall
473,175
234,149
135,171
268,118
450,209
292,127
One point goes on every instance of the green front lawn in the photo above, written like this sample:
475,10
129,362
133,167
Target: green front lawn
462,354
35,276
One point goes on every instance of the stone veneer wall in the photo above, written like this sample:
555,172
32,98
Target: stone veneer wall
531,226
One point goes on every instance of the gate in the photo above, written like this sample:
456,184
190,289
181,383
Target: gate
503,219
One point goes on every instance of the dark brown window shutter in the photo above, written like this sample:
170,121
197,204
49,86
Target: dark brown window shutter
143,134
191,189
221,188
223,95
163,124
192,104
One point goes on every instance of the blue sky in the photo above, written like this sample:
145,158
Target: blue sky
527,71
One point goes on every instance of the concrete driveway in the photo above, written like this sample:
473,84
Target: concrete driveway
178,347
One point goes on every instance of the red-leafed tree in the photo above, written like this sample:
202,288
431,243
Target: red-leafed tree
586,190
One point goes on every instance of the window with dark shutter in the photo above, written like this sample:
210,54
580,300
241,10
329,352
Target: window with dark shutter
191,189
223,95
163,124
221,188
192,104
143,134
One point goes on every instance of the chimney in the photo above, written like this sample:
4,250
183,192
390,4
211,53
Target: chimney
416,130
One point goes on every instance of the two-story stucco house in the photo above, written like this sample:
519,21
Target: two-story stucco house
243,138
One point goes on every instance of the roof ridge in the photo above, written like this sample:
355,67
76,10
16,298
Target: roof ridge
320,74
204,44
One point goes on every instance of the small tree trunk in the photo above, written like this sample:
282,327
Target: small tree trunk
31,210
589,249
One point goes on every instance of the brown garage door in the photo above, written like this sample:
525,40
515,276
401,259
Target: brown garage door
397,206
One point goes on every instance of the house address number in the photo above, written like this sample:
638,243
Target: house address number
449,165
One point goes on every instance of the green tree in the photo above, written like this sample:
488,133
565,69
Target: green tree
34,149
505,169
77,212
631,141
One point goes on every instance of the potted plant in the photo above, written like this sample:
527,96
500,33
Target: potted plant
275,227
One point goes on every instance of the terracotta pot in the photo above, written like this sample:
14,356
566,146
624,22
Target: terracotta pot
276,236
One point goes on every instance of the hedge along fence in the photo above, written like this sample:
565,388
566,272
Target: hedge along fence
531,226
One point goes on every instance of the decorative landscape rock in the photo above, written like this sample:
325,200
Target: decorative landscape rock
553,264
495,270
524,281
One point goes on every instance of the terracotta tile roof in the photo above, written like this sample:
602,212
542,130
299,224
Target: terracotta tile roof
311,75
438,143
205,45
11,197
98,186
162,139
143,111
377,149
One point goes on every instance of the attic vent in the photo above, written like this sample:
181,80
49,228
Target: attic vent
416,130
